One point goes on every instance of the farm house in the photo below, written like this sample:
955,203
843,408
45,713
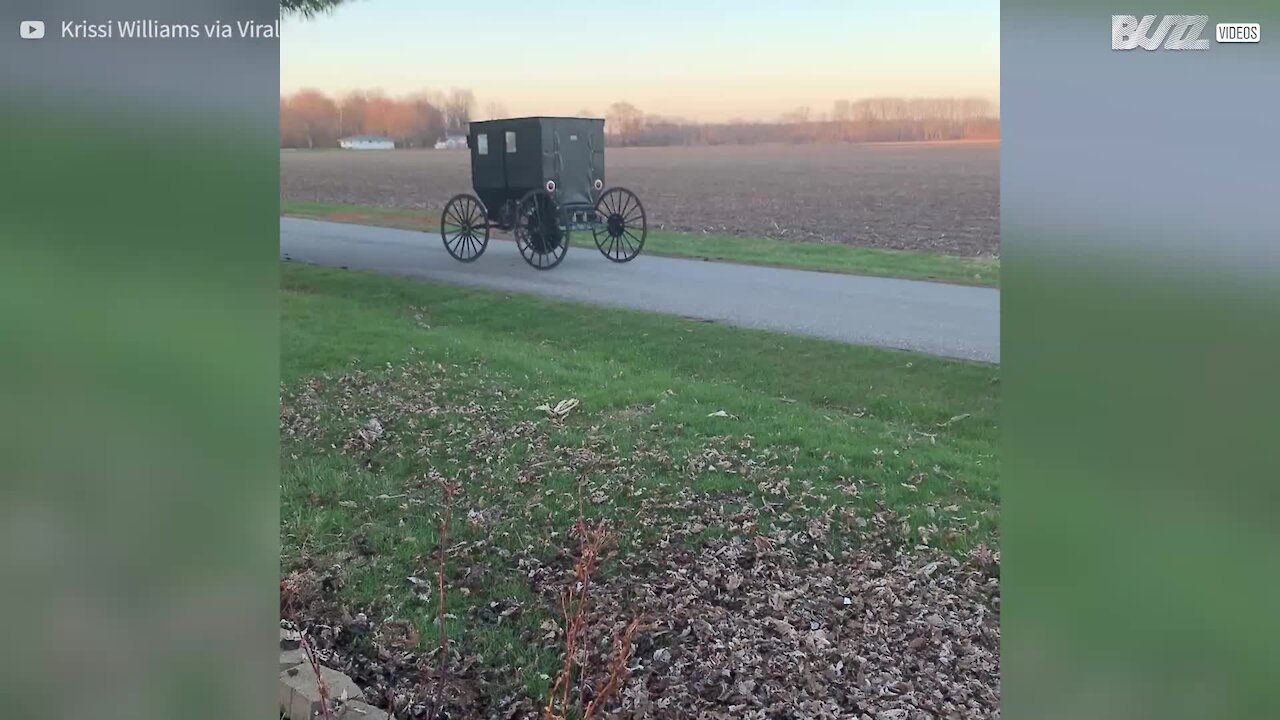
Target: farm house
367,142
452,142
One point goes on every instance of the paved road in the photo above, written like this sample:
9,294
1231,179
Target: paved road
947,320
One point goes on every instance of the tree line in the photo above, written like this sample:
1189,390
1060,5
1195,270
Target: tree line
866,120
310,119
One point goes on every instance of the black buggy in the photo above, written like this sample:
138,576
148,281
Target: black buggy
541,177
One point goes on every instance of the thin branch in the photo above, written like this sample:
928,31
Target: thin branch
314,661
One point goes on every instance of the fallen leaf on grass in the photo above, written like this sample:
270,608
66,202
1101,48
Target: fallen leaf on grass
954,419
562,408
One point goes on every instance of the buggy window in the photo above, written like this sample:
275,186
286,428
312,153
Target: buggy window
511,141
482,144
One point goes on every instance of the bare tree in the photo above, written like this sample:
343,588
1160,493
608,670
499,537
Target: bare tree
289,129
494,110
799,115
352,111
840,111
458,108
624,120
312,116
427,119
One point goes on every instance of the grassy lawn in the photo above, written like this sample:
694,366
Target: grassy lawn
393,388
757,251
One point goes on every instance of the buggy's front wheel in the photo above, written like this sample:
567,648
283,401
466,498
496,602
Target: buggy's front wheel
542,240
464,227
620,228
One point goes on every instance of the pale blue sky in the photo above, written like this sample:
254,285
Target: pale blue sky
707,60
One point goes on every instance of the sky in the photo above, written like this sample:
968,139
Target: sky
705,60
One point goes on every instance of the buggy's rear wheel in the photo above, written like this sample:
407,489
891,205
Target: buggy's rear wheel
542,240
621,228
464,227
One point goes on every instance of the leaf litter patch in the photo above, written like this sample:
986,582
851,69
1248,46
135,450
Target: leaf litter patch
755,625
746,610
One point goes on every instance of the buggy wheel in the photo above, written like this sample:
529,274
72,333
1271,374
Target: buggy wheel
464,227
542,240
620,228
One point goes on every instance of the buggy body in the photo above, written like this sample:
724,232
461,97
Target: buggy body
510,158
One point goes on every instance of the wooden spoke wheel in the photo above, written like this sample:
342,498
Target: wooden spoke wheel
621,228
464,228
542,240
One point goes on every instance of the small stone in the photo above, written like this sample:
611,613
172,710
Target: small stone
290,639
300,696
358,710
292,658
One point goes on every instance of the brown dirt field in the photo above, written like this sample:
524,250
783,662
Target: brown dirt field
942,197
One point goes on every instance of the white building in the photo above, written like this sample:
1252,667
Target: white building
367,142
452,142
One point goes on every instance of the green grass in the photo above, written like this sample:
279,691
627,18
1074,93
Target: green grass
455,376
756,251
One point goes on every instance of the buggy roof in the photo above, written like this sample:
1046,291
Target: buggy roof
534,117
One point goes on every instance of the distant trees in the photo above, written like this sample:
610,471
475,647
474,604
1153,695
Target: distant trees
866,120
924,118
458,107
799,115
309,118
624,121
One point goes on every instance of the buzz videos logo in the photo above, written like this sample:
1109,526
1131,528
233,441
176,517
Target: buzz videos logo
1175,32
